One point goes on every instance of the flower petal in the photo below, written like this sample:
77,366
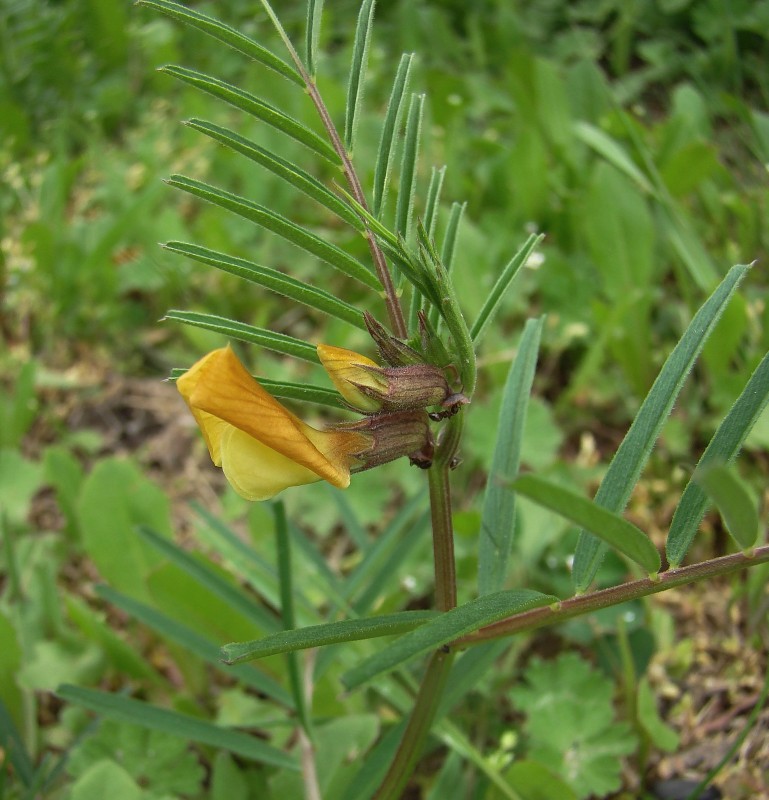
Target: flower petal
222,395
257,472
348,370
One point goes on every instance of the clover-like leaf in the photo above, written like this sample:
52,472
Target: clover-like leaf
571,725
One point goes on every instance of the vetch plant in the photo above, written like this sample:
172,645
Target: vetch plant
412,397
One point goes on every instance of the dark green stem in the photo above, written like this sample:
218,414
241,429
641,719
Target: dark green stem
410,749
434,680
586,603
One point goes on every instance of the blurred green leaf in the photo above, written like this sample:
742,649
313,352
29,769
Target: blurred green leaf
662,736
733,500
136,712
114,500
409,161
584,749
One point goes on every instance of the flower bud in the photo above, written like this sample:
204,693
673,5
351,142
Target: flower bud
401,433
371,388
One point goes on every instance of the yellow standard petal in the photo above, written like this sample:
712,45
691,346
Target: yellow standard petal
262,447
349,371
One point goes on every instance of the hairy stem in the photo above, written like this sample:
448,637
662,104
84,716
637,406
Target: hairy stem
422,715
394,310
586,603
438,668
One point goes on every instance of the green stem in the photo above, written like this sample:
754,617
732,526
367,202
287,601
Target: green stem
604,598
422,715
394,310
434,680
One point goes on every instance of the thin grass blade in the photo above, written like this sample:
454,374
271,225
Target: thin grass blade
292,174
280,225
433,200
286,583
173,631
314,14
498,515
272,279
191,729
491,306
445,628
237,599
252,105
390,127
632,454
224,33
733,501
613,152
408,179
358,73
349,630
279,342
606,525
723,447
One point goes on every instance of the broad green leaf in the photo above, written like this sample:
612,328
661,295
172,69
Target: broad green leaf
105,778
256,108
172,631
723,447
408,178
272,279
114,499
663,737
289,172
606,525
613,152
350,630
280,225
491,305
224,33
357,73
498,515
632,454
314,14
202,573
389,130
733,500
136,712
279,342
445,628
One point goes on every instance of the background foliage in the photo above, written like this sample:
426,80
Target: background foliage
634,135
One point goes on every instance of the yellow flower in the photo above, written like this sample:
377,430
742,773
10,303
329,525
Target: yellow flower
261,446
352,374
371,388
